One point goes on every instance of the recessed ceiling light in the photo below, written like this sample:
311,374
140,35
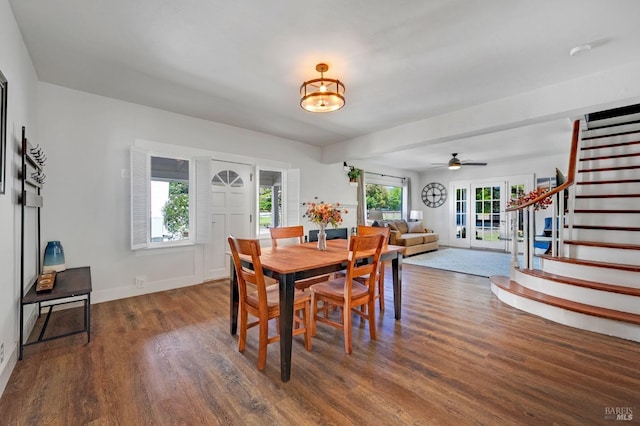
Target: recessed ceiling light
583,48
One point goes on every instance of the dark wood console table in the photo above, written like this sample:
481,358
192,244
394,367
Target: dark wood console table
74,282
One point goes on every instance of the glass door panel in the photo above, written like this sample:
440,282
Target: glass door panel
461,213
459,222
488,221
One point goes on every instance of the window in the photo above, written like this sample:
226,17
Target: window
488,212
270,198
384,201
278,199
227,177
169,197
461,213
515,192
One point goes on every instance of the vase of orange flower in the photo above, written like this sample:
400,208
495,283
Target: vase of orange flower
324,214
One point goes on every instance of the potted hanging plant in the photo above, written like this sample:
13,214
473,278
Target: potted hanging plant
354,174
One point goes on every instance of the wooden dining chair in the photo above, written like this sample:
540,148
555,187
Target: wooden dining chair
384,231
350,295
263,302
289,232
286,232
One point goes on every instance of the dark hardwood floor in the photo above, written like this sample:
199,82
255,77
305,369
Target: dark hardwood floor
458,356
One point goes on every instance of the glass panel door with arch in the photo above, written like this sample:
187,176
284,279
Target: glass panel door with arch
232,193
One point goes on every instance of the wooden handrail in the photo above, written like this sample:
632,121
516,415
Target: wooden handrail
570,175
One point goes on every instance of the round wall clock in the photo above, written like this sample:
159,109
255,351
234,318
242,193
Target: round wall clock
434,194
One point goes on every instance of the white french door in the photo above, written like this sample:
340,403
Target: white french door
478,212
232,194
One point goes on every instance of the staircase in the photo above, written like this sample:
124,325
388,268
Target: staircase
594,281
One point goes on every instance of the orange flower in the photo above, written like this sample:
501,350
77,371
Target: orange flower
324,213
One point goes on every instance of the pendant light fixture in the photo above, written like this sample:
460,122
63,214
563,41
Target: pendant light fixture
322,94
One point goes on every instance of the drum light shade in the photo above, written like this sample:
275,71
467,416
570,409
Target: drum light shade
322,94
415,215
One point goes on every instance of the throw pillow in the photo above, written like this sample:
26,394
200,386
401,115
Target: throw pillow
402,226
415,227
392,225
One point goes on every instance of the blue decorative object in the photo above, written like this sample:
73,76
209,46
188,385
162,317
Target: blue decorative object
53,257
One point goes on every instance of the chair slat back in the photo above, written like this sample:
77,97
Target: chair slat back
359,247
375,230
286,232
255,277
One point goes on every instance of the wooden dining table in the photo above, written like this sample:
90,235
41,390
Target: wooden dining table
296,262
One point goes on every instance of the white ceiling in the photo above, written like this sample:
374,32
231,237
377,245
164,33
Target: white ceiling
242,63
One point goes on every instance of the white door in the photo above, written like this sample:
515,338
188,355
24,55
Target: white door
488,219
232,194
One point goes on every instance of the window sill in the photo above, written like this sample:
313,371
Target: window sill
164,248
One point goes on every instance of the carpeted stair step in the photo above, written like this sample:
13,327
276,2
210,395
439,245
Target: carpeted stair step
513,287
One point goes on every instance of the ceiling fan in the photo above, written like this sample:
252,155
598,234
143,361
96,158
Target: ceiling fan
455,163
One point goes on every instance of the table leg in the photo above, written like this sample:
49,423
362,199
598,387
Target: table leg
87,317
234,298
396,265
287,289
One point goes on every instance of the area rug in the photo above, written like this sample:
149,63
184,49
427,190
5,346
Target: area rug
468,261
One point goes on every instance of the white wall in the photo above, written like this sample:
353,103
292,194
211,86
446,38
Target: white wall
22,85
87,140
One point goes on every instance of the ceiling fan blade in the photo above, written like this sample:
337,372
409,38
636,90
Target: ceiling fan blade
474,163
